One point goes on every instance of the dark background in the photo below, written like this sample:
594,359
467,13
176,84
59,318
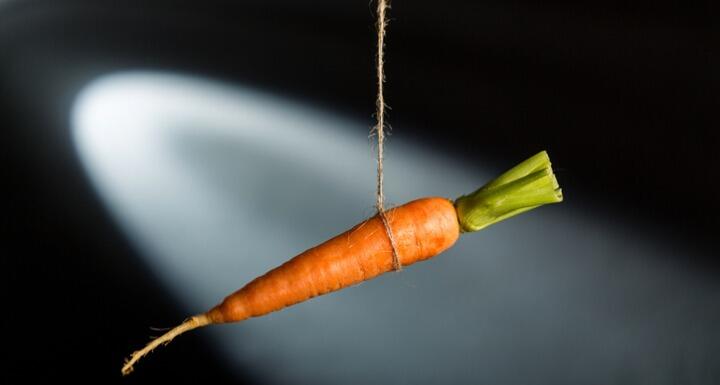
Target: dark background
624,95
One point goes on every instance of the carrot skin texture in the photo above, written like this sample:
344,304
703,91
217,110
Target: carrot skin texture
421,229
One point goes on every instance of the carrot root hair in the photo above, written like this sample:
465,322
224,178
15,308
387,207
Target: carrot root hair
191,323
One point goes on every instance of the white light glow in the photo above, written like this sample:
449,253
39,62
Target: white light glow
216,184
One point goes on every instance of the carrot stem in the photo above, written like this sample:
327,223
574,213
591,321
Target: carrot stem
526,186
193,322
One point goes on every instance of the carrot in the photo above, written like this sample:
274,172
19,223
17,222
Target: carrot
420,230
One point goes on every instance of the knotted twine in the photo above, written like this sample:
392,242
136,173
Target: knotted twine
379,128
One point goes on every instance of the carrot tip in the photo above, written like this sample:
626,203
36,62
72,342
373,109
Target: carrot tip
526,186
190,324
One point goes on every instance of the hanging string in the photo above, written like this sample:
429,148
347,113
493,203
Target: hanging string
382,7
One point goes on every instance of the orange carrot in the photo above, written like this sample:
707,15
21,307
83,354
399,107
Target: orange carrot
421,229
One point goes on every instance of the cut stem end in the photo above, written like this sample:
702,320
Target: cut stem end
526,186
193,322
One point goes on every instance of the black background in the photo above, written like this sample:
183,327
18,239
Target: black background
624,96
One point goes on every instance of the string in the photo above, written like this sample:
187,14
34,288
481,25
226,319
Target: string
382,7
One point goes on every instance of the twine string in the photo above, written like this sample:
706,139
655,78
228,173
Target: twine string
382,6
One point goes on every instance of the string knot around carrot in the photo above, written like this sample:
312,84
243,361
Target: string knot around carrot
421,229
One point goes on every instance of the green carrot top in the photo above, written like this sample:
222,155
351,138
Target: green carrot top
524,187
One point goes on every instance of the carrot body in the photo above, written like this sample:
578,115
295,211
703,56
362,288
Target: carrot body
421,229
